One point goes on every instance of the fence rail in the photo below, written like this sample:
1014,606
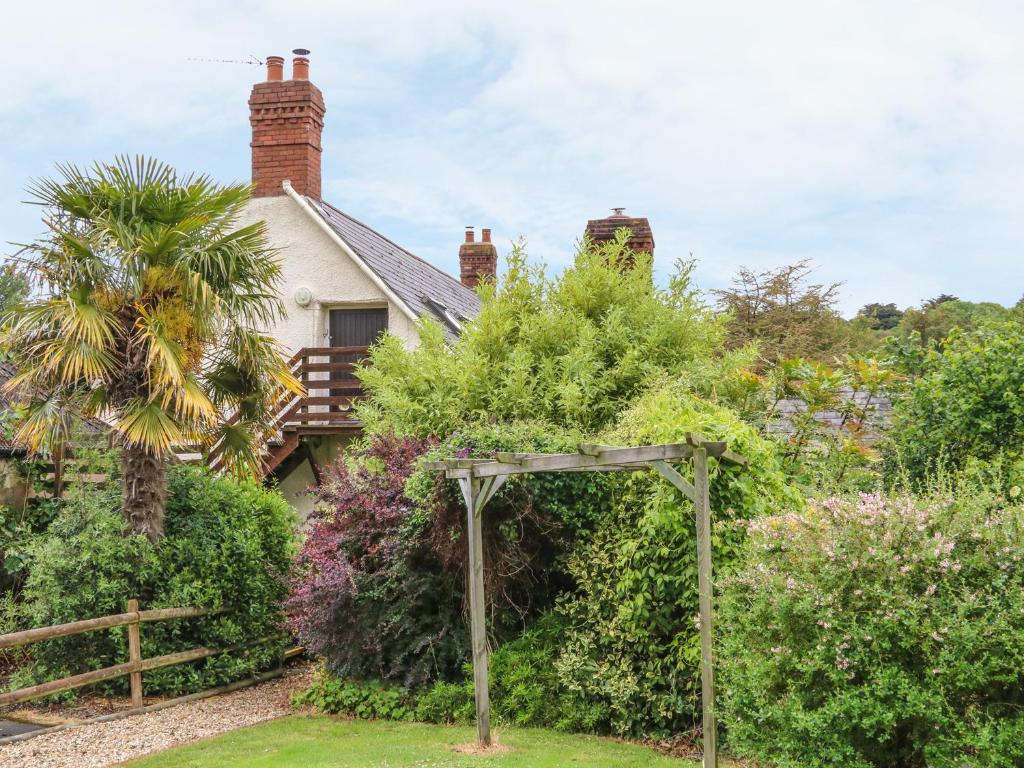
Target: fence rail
133,618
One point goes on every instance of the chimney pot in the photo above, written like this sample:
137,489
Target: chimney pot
486,234
469,234
300,68
275,68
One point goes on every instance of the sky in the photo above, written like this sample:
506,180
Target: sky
882,140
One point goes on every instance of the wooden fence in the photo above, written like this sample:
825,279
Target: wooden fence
133,619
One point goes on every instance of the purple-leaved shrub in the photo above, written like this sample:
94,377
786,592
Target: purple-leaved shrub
369,600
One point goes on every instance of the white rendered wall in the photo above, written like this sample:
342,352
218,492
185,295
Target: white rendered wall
294,486
309,259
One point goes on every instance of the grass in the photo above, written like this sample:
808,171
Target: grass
303,741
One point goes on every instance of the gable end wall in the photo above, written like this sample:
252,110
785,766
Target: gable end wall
309,259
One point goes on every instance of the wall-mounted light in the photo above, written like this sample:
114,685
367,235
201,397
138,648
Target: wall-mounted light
303,296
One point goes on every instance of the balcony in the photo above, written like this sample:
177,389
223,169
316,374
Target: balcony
328,374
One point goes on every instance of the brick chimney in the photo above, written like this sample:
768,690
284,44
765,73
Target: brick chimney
477,261
603,230
287,117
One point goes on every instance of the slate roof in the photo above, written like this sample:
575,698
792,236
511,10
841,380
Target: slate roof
422,286
879,412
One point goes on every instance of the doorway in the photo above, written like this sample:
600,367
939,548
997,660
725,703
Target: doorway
352,330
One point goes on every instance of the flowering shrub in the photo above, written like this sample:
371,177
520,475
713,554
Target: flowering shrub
878,632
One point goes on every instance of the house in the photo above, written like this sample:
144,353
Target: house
344,283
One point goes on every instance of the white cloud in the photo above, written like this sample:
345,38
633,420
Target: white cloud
882,139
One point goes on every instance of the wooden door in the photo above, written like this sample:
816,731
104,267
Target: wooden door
353,328
357,327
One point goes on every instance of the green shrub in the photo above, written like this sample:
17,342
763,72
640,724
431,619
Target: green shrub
878,632
447,703
968,402
370,700
632,644
32,513
525,690
570,351
227,545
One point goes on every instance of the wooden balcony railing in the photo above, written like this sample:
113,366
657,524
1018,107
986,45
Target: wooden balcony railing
328,374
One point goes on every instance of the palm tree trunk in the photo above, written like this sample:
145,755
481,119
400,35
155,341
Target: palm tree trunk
144,475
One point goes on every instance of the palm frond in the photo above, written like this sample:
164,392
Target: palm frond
165,356
236,445
44,422
145,423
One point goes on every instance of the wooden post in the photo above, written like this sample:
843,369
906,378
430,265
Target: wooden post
704,585
474,507
135,655
58,470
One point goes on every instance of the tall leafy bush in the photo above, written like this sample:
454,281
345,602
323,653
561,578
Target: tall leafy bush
632,642
968,402
571,351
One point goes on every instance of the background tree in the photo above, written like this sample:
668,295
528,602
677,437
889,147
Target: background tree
937,317
935,301
784,313
148,303
883,317
14,287
967,403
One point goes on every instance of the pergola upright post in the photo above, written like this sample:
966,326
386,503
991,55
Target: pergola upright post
474,506
704,585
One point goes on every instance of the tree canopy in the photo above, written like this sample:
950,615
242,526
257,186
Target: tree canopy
148,304
784,313
569,351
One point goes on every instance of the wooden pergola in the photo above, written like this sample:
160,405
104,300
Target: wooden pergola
480,479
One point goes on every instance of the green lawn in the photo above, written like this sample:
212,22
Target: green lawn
321,742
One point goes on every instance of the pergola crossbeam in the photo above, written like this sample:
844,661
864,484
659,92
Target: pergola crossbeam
588,457
480,479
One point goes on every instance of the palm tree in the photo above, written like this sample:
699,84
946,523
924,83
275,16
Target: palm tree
149,311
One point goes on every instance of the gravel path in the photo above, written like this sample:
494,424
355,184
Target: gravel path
102,744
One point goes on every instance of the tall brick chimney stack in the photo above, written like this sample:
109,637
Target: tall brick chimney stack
477,261
287,118
641,237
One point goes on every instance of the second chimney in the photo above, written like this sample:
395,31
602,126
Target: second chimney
477,261
604,230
